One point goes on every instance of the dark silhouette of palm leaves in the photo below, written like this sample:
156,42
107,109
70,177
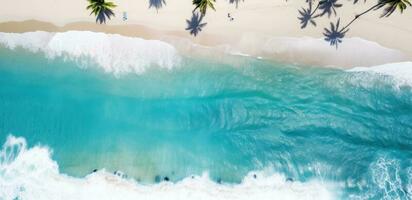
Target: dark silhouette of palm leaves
104,10
391,5
195,25
235,2
334,35
101,9
328,6
158,4
356,1
306,16
202,5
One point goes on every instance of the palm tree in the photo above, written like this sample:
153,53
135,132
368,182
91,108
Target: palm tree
202,5
391,5
101,10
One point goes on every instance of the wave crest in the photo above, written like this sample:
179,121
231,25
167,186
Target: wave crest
114,53
401,73
30,173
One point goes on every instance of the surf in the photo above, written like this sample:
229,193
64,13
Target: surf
220,122
113,53
30,173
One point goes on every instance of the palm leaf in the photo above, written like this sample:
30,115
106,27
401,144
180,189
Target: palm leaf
392,5
202,5
101,9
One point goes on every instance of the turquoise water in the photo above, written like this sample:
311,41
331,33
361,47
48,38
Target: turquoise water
226,118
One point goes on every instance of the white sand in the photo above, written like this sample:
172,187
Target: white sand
267,28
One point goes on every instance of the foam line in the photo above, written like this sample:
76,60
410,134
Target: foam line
30,173
400,72
113,53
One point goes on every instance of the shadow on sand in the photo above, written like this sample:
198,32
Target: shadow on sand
195,25
157,4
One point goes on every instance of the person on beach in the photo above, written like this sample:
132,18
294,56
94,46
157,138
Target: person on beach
230,17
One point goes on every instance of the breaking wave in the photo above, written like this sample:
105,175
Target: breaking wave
400,72
114,53
30,173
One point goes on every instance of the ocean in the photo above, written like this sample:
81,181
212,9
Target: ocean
88,115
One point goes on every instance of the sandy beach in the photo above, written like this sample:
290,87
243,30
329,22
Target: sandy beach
261,28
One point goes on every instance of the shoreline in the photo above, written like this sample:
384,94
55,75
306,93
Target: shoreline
261,28
295,50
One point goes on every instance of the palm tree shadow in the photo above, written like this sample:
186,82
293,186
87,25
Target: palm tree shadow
236,2
195,25
328,7
157,4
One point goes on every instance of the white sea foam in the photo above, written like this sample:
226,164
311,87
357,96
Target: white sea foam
385,180
400,72
120,54
306,50
30,173
351,52
114,53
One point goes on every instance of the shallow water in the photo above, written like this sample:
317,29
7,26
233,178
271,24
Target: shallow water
352,130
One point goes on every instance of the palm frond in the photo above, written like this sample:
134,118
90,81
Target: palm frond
101,9
203,5
391,5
